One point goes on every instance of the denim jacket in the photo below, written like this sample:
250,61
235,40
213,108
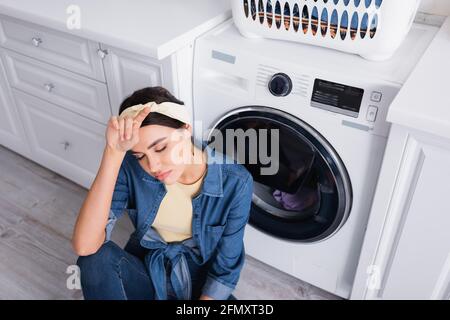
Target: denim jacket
220,214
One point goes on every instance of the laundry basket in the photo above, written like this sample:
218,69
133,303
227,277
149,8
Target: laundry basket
373,29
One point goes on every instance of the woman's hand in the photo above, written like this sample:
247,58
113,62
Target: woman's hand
122,134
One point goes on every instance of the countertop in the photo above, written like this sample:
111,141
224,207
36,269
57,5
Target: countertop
424,101
155,28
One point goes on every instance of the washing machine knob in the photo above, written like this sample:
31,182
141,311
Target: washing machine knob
280,85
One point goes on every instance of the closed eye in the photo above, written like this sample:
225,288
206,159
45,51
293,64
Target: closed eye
140,158
160,150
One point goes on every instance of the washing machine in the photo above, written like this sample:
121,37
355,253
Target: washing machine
325,112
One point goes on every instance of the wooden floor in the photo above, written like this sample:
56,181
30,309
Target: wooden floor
38,209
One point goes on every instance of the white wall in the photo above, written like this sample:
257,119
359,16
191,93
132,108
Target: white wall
441,7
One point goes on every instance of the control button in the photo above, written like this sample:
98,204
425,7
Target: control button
372,113
280,85
376,96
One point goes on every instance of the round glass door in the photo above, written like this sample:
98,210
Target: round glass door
301,188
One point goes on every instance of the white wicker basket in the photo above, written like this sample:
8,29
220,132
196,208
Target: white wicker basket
373,29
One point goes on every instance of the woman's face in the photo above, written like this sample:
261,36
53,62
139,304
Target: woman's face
164,152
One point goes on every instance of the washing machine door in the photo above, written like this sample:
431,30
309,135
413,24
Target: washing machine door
302,191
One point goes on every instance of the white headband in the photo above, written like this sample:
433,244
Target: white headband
170,109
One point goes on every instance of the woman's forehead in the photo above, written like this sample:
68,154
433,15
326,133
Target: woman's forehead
152,135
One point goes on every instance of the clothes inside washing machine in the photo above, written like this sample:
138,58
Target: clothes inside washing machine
302,200
292,193
294,161
301,204
304,197
296,190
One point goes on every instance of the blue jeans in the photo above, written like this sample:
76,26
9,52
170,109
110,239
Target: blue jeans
113,273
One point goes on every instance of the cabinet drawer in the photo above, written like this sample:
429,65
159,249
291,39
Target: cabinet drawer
62,49
61,140
76,93
12,134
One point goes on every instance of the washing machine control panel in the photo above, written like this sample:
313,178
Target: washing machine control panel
337,97
280,85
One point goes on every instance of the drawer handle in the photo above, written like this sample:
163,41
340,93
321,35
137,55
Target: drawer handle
36,41
49,87
102,53
66,144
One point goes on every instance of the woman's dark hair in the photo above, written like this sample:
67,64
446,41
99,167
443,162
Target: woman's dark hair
153,94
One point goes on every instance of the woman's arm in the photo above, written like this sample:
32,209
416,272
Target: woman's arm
89,232
229,256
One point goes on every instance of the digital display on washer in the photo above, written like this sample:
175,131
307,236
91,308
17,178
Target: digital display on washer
337,97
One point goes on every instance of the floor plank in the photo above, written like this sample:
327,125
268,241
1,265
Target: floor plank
38,209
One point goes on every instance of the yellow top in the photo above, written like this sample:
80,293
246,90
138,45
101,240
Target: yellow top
174,218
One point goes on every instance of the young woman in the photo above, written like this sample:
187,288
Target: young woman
189,211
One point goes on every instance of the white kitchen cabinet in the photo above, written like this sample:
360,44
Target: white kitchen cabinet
127,72
12,134
64,50
63,141
71,91
58,92
406,254
406,250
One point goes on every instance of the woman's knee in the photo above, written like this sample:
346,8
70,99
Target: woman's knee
112,273
106,256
